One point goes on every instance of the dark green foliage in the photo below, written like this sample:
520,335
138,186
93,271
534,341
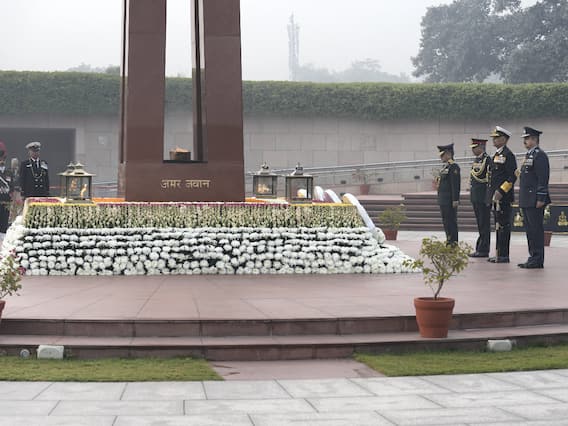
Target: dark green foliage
90,93
470,40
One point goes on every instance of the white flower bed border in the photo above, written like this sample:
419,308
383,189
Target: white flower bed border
174,251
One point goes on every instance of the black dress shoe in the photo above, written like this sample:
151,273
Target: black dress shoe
477,254
528,265
498,259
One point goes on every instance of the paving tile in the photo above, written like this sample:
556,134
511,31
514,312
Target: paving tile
448,416
26,408
158,391
557,411
489,399
525,423
57,421
561,394
327,419
202,420
324,388
271,406
471,383
398,402
292,369
82,391
533,379
119,408
25,391
399,386
253,389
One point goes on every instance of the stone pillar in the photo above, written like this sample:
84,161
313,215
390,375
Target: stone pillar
216,172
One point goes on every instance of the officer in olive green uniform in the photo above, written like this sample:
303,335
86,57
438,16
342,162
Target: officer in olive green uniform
449,192
501,195
479,178
6,190
533,196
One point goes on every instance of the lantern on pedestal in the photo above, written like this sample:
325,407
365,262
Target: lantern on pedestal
264,183
76,183
299,187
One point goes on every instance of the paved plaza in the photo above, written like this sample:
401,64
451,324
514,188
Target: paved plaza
531,398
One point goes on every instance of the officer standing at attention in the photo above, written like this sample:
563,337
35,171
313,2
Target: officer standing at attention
6,189
501,193
34,177
449,192
479,178
533,196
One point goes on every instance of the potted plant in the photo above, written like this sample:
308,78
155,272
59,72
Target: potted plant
360,177
433,314
390,220
10,276
546,221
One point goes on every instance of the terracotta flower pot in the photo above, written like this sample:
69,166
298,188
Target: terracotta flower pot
547,238
364,188
433,315
2,303
390,234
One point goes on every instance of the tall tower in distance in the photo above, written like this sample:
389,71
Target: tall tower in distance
293,48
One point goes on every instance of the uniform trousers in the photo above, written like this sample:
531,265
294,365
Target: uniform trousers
534,226
503,214
483,217
450,221
5,205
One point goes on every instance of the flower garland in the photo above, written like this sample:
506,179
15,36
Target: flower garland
188,215
204,250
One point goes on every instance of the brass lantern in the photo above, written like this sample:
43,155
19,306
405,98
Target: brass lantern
299,187
77,183
264,183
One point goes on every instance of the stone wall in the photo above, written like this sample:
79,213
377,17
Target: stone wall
315,142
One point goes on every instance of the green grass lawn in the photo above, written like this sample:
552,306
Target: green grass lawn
458,362
106,370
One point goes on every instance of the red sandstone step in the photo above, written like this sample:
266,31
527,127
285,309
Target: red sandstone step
266,348
344,326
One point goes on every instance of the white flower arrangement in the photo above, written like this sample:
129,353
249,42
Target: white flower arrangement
205,250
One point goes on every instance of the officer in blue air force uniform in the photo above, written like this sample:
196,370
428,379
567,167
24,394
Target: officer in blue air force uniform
34,176
479,178
500,194
449,192
533,196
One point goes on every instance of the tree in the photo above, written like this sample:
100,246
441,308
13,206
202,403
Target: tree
539,49
366,70
465,40
369,70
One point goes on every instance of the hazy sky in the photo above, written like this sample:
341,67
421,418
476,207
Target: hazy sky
60,34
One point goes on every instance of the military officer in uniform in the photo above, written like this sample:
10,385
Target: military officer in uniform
501,194
449,192
34,176
479,178
533,196
6,189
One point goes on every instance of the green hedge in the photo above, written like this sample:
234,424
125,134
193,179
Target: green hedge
87,93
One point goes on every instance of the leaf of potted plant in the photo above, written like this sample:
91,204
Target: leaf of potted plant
390,220
10,276
360,177
433,314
